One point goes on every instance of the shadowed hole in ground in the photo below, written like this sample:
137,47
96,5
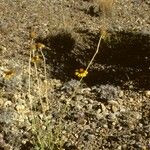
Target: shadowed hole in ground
124,58
59,54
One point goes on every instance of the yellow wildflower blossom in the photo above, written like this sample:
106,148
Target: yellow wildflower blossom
36,59
81,73
8,74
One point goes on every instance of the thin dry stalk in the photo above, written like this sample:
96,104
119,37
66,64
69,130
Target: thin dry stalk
45,74
38,84
29,88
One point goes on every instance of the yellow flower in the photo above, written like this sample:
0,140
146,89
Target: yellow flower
36,59
81,73
8,74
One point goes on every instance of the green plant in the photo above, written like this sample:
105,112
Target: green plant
46,134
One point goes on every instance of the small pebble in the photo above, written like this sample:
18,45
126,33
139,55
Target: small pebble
147,93
121,94
7,103
114,109
2,49
20,108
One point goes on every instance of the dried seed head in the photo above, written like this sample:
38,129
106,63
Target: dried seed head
40,46
33,47
32,34
104,32
105,6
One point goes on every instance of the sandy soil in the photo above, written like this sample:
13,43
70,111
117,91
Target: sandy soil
110,109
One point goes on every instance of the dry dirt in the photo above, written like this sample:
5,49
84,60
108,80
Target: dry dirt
111,108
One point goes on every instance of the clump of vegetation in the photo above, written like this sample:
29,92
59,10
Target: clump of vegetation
46,134
105,6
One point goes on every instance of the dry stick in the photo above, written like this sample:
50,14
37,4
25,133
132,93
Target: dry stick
29,90
97,49
38,83
45,73
63,17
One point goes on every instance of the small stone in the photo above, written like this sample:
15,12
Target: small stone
99,111
119,147
20,108
112,117
105,126
113,102
78,106
41,116
140,125
7,147
124,146
147,93
91,101
121,94
138,116
1,102
131,87
91,137
114,106
85,90
89,107
99,116
120,128
131,99
122,110
2,48
43,127
24,141
79,97
103,108
86,102
114,109
7,103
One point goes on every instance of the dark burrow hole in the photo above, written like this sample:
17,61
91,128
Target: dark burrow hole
126,59
121,61
59,54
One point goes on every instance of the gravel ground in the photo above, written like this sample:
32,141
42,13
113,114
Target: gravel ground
111,107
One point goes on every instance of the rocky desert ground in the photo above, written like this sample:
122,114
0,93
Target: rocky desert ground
46,46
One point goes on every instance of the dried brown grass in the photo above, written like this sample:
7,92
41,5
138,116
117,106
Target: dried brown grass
105,6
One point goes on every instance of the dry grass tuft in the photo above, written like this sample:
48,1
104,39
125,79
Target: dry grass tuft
105,6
